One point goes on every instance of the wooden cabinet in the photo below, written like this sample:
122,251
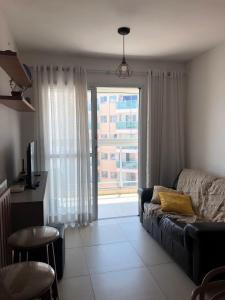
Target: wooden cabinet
30,208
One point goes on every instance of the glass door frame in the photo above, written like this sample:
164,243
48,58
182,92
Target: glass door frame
94,147
94,137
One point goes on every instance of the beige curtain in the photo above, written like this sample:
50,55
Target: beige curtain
163,133
63,144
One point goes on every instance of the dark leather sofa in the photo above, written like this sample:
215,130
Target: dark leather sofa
196,247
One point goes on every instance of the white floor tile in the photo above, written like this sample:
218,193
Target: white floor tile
75,264
124,261
172,280
95,235
150,251
78,288
133,219
134,231
135,284
73,238
104,258
105,221
117,210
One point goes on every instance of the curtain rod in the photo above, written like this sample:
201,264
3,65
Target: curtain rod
108,72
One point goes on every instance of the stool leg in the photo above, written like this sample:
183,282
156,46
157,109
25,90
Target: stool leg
23,255
16,256
13,256
55,291
47,255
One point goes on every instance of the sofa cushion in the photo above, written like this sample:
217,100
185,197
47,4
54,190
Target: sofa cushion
154,210
157,189
173,228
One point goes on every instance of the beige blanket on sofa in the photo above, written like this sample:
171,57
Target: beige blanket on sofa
207,193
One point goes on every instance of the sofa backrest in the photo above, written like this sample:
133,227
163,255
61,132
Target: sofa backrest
215,201
197,184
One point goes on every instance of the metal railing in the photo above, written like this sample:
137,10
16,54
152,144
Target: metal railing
127,164
127,104
116,187
127,125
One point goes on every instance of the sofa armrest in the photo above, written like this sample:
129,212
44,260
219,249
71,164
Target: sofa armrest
206,229
145,195
206,242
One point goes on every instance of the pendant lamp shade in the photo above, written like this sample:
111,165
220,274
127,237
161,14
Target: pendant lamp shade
123,70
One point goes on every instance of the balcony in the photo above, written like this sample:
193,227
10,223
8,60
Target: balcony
132,104
126,125
117,199
127,164
117,205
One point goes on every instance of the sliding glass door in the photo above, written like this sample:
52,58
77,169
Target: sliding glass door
113,127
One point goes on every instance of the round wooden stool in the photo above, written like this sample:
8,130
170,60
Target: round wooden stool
28,239
26,281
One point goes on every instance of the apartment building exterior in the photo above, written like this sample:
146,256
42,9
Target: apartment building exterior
117,127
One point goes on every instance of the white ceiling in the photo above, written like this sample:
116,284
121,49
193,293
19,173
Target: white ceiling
160,29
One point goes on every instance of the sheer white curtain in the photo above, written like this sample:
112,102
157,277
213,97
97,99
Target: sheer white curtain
162,115
60,97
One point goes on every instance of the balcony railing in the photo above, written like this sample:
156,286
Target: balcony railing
126,125
127,164
127,104
117,187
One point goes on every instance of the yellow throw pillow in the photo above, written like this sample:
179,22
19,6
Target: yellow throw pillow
176,203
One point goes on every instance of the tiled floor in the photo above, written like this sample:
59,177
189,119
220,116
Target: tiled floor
116,259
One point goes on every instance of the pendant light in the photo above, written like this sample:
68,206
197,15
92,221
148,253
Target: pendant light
123,70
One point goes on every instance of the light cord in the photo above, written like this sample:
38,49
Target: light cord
123,48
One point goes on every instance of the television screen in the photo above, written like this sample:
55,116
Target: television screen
32,155
31,164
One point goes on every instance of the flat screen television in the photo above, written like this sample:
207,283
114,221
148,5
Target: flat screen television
31,156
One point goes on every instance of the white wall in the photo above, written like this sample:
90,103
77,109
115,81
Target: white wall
10,139
205,117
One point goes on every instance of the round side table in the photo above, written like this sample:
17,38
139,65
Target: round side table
28,239
26,281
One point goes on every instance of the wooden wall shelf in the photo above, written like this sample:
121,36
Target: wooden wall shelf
19,104
11,64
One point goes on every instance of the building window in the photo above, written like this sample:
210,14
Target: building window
134,118
103,119
113,175
130,176
104,156
104,174
112,156
113,119
134,97
103,99
103,136
112,98
130,157
128,118
129,97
